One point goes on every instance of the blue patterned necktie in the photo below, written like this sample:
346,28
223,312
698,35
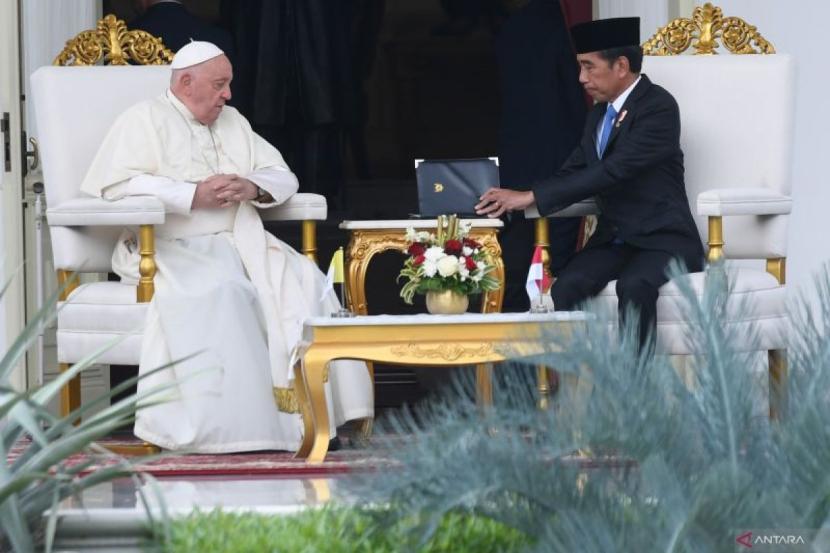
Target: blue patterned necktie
607,124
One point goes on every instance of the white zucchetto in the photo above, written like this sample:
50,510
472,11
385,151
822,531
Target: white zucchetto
195,53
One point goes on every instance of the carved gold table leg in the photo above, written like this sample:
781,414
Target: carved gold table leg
315,364
300,389
543,387
317,490
484,384
363,246
357,262
777,383
492,301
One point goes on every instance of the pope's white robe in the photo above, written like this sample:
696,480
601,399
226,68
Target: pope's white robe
225,287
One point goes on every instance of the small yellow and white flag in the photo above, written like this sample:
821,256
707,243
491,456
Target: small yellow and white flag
335,272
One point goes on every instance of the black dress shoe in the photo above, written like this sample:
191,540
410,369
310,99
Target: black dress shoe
334,444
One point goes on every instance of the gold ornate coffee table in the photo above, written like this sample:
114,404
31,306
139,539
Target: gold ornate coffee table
434,340
368,238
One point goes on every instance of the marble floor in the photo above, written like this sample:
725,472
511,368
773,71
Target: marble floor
112,516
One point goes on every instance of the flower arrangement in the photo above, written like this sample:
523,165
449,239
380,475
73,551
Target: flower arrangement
447,260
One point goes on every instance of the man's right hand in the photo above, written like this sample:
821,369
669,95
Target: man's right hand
206,196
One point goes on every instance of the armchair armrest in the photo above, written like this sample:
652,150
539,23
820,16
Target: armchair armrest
743,201
579,209
299,207
132,210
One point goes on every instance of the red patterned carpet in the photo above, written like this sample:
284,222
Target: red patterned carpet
274,463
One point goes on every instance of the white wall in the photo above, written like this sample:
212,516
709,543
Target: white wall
12,315
799,29
46,26
653,14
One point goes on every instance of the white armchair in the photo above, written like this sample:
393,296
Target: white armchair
736,119
75,107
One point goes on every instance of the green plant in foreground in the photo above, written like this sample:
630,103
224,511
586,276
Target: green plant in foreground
667,463
334,530
39,478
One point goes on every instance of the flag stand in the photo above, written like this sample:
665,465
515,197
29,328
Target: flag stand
336,275
342,313
538,283
538,305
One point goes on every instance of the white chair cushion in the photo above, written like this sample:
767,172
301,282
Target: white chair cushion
96,314
756,304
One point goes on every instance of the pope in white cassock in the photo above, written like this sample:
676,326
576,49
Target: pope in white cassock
224,287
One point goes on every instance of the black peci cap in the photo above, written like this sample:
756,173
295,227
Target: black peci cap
604,34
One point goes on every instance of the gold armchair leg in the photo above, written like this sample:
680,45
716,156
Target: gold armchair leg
147,265
715,238
309,246
542,231
144,293
70,396
133,450
777,267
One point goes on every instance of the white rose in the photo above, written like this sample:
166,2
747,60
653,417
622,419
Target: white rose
448,265
434,253
424,236
429,267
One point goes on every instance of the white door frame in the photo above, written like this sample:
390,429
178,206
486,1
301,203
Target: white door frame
11,194
40,28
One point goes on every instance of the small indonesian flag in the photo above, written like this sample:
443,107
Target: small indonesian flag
538,281
335,272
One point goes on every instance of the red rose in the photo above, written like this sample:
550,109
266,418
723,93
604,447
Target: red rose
416,249
453,247
472,244
418,260
470,263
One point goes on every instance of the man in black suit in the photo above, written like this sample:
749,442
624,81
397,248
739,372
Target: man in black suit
629,158
170,21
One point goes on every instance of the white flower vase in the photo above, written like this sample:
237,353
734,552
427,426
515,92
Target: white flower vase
447,302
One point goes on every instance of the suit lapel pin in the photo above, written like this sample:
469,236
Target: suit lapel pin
623,113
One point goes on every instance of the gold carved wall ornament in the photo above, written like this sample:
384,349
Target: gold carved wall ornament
702,32
111,43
